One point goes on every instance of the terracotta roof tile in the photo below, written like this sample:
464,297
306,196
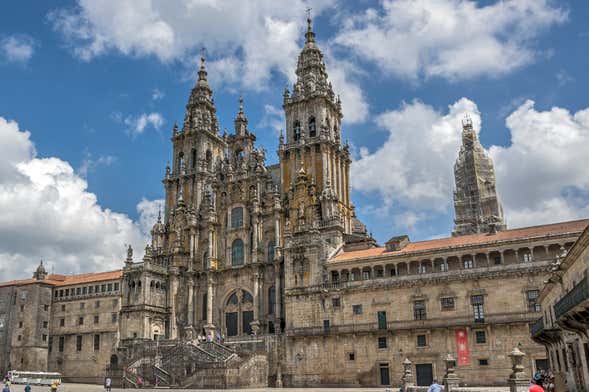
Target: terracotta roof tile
66,280
473,239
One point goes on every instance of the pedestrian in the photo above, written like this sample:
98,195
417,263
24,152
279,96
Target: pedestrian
54,387
6,388
435,387
27,388
536,384
107,384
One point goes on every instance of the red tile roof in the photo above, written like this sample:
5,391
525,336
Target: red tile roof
66,280
573,227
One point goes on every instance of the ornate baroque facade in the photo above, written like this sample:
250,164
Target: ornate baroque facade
274,260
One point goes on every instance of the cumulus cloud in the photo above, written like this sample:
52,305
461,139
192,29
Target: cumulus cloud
272,118
138,124
257,38
48,213
426,38
540,176
17,49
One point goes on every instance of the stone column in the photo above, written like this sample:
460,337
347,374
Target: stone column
277,309
407,379
210,327
190,301
518,381
254,243
173,290
451,380
324,167
256,322
191,248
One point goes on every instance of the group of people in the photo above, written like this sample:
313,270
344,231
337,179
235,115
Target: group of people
543,380
27,387
208,338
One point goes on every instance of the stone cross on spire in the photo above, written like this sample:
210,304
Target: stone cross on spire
310,35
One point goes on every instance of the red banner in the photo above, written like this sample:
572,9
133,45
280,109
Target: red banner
462,347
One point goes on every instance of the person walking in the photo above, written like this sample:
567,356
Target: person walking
54,387
6,388
435,387
108,384
27,388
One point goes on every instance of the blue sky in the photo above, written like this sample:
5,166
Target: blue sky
99,88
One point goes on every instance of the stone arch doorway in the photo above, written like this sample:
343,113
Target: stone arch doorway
239,313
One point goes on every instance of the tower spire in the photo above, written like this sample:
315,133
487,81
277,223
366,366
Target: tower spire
309,35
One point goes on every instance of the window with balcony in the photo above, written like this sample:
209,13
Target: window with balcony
447,303
478,302
382,319
419,311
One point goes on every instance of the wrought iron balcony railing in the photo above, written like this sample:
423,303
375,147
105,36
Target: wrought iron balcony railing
576,296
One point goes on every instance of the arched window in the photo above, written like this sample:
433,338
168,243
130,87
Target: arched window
209,159
312,127
296,129
271,299
152,285
239,313
193,158
236,217
180,162
237,252
205,260
270,253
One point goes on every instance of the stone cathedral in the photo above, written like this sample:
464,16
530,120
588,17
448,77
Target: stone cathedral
262,275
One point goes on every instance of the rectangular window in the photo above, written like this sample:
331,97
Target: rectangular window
22,308
421,341
20,324
96,319
91,289
61,343
81,321
477,302
79,343
336,303
116,286
382,319
84,290
365,275
480,337
204,307
67,292
82,305
351,356
326,326
45,324
96,342
419,310
527,257
447,303
97,289
103,288
236,217
357,309
382,342
46,307
19,338
468,263
532,296
443,267
78,290
44,338
109,287
62,322
483,362
114,318
497,260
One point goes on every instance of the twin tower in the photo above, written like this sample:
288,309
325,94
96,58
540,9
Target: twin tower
238,235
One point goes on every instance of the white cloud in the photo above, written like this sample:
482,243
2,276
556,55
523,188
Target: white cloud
138,124
48,213
255,38
272,118
541,175
413,168
148,212
89,163
17,49
157,94
454,39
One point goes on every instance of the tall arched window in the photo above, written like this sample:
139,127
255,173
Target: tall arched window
271,299
205,260
180,163
270,253
209,159
239,313
312,127
237,252
296,129
236,217
193,158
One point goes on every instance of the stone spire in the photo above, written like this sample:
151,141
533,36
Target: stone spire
200,110
476,203
240,120
40,273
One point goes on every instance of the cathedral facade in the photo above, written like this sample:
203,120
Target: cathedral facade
269,263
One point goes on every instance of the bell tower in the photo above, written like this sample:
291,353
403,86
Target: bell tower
314,163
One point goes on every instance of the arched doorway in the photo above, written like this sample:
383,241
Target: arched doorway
239,313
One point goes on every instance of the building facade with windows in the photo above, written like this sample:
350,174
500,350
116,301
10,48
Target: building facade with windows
563,327
274,257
